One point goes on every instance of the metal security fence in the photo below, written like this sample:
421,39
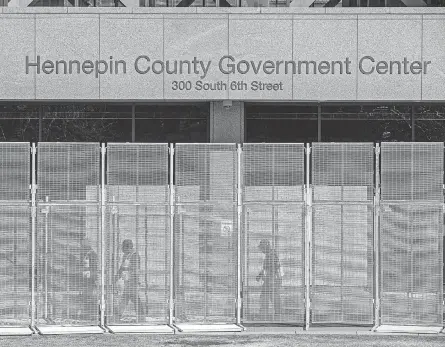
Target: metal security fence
135,236
68,246
342,233
273,233
205,233
138,234
411,240
15,235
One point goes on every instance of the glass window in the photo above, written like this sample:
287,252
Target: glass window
280,123
173,123
430,123
278,3
87,123
366,123
19,122
185,3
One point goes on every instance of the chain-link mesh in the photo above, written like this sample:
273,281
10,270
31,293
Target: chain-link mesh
411,238
137,285
205,233
68,234
342,214
15,234
274,229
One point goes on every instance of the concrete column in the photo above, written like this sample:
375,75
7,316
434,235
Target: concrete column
227,123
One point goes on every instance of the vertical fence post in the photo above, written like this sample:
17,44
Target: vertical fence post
319,123
46,212
376,239
308,240
239,280
133,123
33,234
172,213
102,239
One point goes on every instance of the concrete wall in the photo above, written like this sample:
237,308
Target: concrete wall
253,34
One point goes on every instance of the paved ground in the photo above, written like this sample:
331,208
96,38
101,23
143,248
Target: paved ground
332,337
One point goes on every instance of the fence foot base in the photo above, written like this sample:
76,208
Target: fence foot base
218,328
11,331
140,329
408,329
67,330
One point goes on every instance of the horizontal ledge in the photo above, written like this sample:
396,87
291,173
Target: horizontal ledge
67,203
227,10
437,203
212,203
341,203
274,203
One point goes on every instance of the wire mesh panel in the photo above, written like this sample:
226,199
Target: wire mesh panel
138,238
66,170
412,234
68,234
342,234
412,172
205,233
273,234
15,173
15,234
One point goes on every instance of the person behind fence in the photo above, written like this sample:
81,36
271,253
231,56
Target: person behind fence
271,276
88,292
128,274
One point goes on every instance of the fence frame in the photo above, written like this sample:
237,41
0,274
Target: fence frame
308,239
171,302
47,204
343,163
377,239
33,233
404,326
112,209
103,230
274,205
22,329
239,286
228,326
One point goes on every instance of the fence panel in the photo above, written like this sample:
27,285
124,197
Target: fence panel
205,233
15,235
412,234
273,233
68,234
342,233
138,211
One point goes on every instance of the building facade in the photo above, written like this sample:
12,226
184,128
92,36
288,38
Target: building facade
217,140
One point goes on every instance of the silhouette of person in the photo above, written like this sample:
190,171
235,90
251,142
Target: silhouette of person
89,266
129,273
271,276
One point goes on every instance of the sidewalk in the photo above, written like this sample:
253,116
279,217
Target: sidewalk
268,337
327,331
